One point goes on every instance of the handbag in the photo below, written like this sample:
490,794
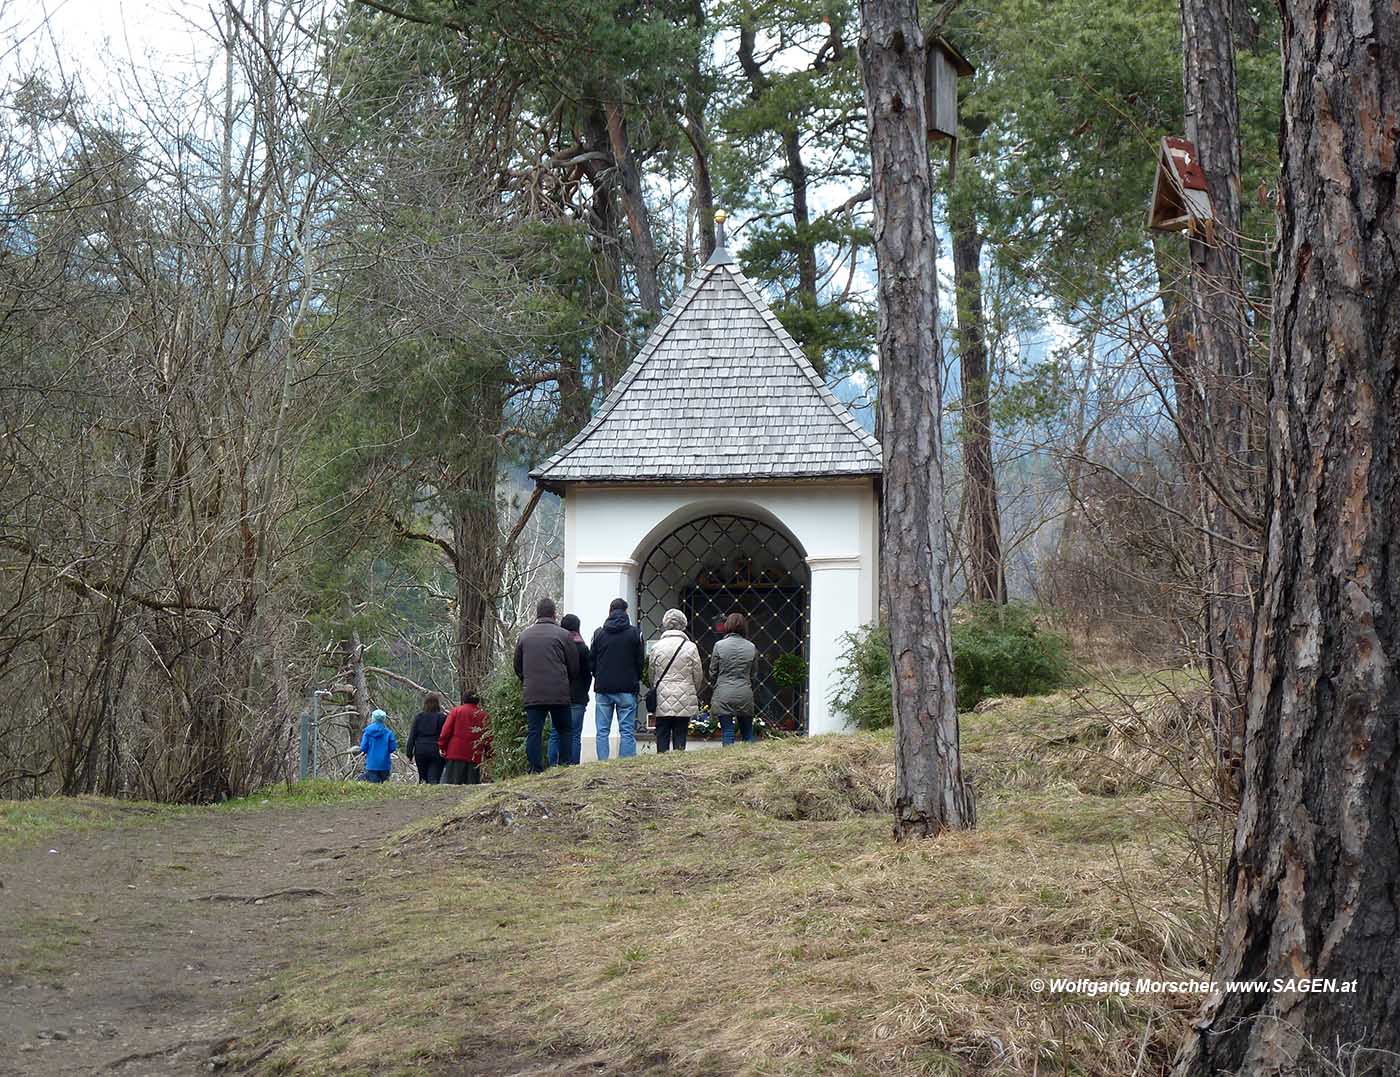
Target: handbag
651,692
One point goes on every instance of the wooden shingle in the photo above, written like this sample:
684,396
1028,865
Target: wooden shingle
720,391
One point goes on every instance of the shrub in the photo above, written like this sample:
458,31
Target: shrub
997,651
863,693
789,671
504,703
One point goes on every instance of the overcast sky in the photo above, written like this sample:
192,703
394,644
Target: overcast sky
89,37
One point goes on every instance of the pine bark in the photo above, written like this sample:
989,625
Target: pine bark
644,257
1180,356
983,566
1316,863
1219,323
696,101
606,226
930,795
476,544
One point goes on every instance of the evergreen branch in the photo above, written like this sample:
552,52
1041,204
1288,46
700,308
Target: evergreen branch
403,531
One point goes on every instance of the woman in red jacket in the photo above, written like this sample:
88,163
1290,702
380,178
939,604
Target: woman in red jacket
465,742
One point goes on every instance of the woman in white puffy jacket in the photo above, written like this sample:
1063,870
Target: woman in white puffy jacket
678,675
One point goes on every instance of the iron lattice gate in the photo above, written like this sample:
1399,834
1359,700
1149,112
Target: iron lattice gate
717,565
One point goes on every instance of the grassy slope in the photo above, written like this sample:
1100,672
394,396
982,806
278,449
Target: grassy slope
746,912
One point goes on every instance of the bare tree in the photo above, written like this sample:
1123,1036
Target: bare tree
159,275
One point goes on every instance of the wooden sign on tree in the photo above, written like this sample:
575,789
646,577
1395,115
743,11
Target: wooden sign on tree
1180,195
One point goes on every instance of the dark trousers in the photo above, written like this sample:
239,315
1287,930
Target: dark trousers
671,731
460,772
429,768
560,716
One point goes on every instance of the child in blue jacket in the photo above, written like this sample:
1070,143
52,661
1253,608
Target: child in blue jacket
377,743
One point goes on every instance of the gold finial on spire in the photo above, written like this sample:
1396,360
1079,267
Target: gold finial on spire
720,216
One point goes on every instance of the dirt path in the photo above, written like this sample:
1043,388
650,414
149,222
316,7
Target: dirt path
127,950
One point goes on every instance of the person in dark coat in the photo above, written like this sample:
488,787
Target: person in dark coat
465,742
578,704
423,740
619,657
546,661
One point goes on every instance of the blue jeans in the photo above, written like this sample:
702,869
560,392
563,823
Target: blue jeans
577,711
560,717
726,728
374,776
625,703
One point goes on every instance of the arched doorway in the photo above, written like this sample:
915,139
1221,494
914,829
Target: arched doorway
714,565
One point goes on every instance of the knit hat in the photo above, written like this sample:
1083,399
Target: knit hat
673,621
378,716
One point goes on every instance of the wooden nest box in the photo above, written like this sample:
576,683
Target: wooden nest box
945,66
1180,196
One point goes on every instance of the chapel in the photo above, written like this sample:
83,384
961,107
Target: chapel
719,475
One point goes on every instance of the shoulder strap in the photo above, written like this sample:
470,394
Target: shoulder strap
674,655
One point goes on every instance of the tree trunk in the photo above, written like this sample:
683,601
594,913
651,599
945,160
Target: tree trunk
357,674
1316,863
794,169
982,561
930,796
1219,320
1180,356
476,541
635,206
606,226
801,217
696,100
704,185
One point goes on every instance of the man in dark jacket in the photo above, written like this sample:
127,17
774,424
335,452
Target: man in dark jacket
546,661
578,702
619,656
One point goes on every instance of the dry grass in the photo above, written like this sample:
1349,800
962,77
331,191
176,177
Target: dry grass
745,912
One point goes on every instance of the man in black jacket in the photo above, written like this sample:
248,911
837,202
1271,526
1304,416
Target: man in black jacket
619,656
546,661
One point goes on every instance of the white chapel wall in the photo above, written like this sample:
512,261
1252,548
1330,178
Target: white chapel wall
608,531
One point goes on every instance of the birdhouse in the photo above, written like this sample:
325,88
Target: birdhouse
945,66
1180,195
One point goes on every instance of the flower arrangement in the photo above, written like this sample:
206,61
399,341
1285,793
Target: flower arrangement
703,724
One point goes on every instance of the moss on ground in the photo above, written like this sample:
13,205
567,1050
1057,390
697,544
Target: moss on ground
746,912
30,822
25,822
48,942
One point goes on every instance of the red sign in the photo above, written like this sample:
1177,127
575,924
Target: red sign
1187,163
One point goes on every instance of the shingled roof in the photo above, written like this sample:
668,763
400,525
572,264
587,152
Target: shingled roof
720,391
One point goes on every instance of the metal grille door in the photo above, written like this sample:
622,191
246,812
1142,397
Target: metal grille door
718,565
